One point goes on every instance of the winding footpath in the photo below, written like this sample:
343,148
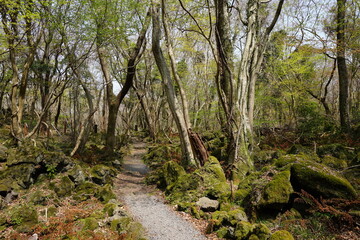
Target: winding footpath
145,204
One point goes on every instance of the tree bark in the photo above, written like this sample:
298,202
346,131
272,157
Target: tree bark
174,104
342,68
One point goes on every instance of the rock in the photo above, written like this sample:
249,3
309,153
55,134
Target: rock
207,205
318,180
117,164
88,224
213,178
281,235
334,162
230,218
34,237
276,193
3,153
261,231
23,218
3,203
85,190
101,174
105,194
12,195
64,187
77,175
243,230
172,172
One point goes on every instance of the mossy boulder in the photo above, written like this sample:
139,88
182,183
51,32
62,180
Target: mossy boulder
318,180
64,187
281,235
228,218
185,189
105,194
336,150
3,153
78,175
334,162
85,190
88,224
261,231
243,230
23,217
172,171
213,179
102,174
17,177
276,194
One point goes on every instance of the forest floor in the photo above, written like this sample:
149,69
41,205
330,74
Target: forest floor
147,205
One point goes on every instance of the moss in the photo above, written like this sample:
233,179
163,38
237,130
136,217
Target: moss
23,217
105,193
102,174
135,231
334,162
109,209
64,187
213,177
293,158
319,181
222,232
89,224
172,172
85,190
38,198
120,224
261,231
52,211
184,190
335,150
277,192
281,235
254,237
243,230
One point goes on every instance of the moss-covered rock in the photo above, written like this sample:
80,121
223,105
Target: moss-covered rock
23,217
172,171
102,174
64,187
243,230
261,231
334,162
105,194
88,224
213,178
185,189
110,208
320,181
336,150
281,235
276,193
85,190
230,218
77,174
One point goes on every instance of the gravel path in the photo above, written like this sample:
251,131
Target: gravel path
143,202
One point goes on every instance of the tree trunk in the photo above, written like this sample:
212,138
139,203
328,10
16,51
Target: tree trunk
174,104
342,69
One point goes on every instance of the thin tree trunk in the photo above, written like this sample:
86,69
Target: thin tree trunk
342,69
175,106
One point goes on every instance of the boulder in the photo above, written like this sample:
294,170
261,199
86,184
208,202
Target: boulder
77,175
213,179
3,153
102,174
318,180
281,235
172,172
23,218
207,205
105,194
64,187
276,193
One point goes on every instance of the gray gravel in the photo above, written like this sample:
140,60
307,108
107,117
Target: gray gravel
158,219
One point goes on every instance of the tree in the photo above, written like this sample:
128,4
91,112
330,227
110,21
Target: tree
341,64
